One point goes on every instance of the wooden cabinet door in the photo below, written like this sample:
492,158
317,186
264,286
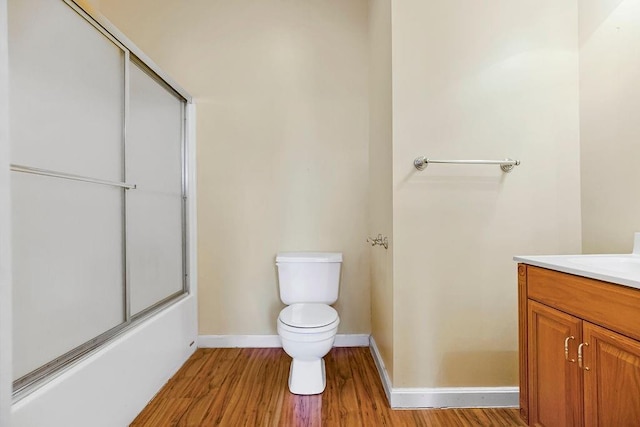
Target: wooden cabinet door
555,382
611,378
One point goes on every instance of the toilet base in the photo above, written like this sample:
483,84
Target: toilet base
307,376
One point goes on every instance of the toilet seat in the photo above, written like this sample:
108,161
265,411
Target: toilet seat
308,315
307,318
284,328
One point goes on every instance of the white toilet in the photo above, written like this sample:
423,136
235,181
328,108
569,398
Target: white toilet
309,282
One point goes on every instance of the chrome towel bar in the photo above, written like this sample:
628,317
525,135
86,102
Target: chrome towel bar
54,174
506,165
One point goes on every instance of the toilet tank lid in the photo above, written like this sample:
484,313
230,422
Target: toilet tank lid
309,257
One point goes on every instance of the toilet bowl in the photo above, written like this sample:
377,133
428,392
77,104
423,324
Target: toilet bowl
307,332
308,283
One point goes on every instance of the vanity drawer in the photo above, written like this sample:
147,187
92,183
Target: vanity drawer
609,305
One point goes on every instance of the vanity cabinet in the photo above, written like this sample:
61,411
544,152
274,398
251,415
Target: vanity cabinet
556,383
579,350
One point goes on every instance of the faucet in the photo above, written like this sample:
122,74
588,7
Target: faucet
383,241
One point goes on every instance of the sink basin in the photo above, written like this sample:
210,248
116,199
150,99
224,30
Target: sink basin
628,264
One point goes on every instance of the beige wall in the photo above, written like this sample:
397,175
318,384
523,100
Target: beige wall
609,124
380,177
477,80
282,102
296,144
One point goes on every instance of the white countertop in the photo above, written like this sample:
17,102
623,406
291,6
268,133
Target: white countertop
622,269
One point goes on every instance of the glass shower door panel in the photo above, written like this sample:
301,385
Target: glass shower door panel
155,248
154,209
67,266
67,91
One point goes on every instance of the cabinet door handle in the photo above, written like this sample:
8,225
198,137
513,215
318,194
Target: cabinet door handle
580,358
566,349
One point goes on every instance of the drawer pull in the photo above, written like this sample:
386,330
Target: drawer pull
580,358
566,349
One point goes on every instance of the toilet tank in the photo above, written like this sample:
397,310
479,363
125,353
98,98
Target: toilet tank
309,276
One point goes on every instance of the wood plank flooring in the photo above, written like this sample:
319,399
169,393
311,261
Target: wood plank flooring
248,387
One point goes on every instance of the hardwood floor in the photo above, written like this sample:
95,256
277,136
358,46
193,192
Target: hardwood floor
248,387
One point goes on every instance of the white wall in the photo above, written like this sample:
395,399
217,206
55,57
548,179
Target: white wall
609,125
475,80
5,229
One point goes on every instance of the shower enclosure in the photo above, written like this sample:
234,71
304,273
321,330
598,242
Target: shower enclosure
98,187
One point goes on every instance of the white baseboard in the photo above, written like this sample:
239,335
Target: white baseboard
455,397
272,341
352,340
241,341
382,370
443,397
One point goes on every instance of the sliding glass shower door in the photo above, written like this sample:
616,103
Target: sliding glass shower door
98,189
66,112
154,210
